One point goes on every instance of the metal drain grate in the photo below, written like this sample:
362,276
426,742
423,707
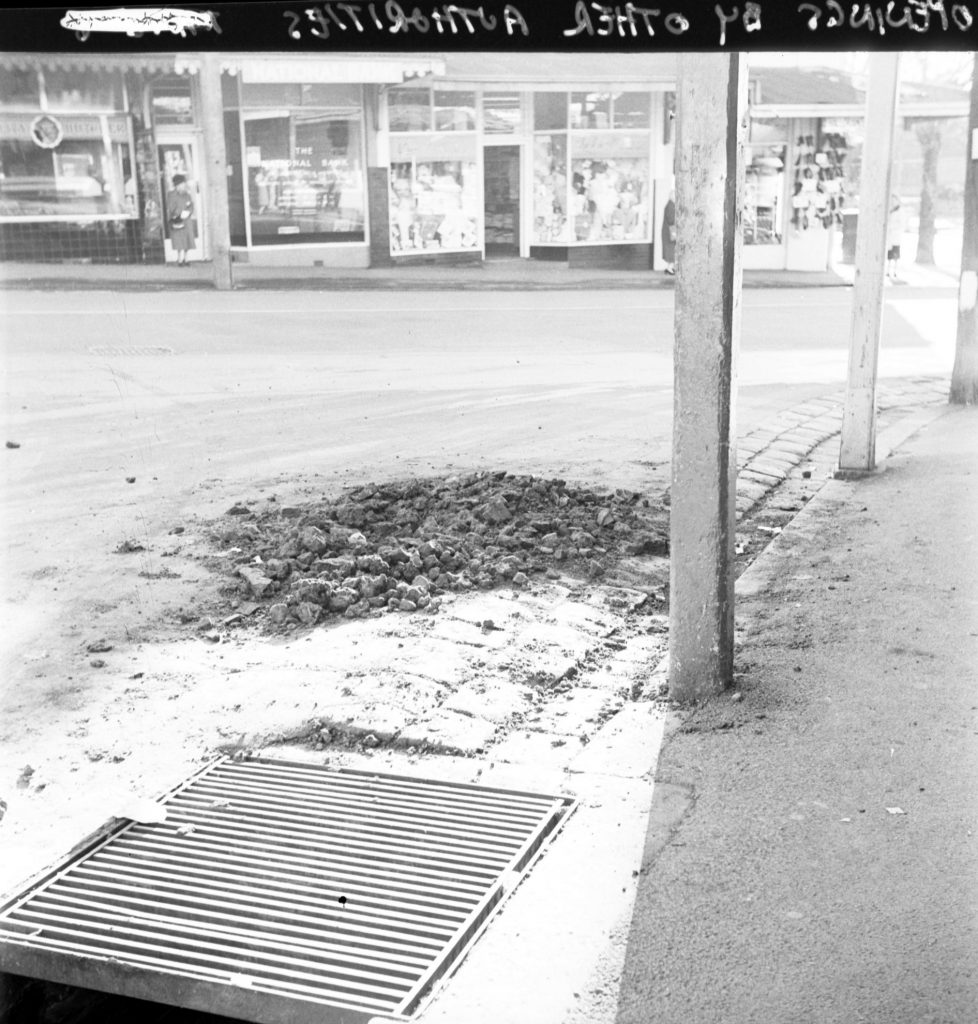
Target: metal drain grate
279,891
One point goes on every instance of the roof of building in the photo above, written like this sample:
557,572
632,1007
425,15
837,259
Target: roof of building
803,86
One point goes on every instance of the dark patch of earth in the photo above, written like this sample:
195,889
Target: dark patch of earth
401,545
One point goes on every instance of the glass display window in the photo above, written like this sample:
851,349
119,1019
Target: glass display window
502,113
435,199
590,110
632,110
550,216
764,194
172,102
20,89
610,198
80,177
454,111
409,110
304,176
88,91
765,182
550,111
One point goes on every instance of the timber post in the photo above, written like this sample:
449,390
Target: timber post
857,453
710,139
215,159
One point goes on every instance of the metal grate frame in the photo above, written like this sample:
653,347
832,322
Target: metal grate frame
282,891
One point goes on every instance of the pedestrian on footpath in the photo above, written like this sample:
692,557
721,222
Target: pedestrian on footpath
669,234
180,214
894,235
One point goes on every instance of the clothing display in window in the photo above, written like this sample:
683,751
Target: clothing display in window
433,206
818,190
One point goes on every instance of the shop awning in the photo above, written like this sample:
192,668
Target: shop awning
328,69
160,63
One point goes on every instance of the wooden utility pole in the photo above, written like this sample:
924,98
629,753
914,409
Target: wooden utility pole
710,138
215,160
858,447
964,376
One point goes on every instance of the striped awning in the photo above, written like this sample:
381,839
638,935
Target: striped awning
159,63
329,69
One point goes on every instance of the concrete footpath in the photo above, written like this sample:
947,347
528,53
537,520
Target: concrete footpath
813,847
491,275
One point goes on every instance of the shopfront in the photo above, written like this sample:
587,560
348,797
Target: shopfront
562,175
798,174
67,176
296,153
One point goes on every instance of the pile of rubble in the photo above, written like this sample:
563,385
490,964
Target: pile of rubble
399,546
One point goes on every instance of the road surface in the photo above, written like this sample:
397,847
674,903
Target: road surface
204,398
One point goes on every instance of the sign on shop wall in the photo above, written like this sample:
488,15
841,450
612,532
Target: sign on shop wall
21,126
432,148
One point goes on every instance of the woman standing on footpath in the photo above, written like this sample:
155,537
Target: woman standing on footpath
669,234
180,213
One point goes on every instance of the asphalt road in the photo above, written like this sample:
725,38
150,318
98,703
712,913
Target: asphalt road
204,396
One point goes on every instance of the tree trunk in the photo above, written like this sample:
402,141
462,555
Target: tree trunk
964,377
929,137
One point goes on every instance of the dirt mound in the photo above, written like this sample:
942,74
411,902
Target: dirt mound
398,546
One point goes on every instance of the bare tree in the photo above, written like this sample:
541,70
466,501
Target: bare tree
930,68
929,135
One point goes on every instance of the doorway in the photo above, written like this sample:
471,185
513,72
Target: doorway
180,155
501,170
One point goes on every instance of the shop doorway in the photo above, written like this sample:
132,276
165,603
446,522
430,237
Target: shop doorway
501,170
181,155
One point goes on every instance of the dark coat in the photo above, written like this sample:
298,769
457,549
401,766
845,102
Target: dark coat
668,242
183,229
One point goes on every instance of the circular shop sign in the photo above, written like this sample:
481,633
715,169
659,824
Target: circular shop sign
46,131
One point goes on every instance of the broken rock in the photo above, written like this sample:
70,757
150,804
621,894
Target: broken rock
255,578
313,539
308,613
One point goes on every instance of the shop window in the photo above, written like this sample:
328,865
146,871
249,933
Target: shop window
230,91
454,111
78,178
590,110
409,110
550,220
83,90
435,195
818,188
19,89
764,194
304,176
550,111
632,110
173,102
501,113
609,198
